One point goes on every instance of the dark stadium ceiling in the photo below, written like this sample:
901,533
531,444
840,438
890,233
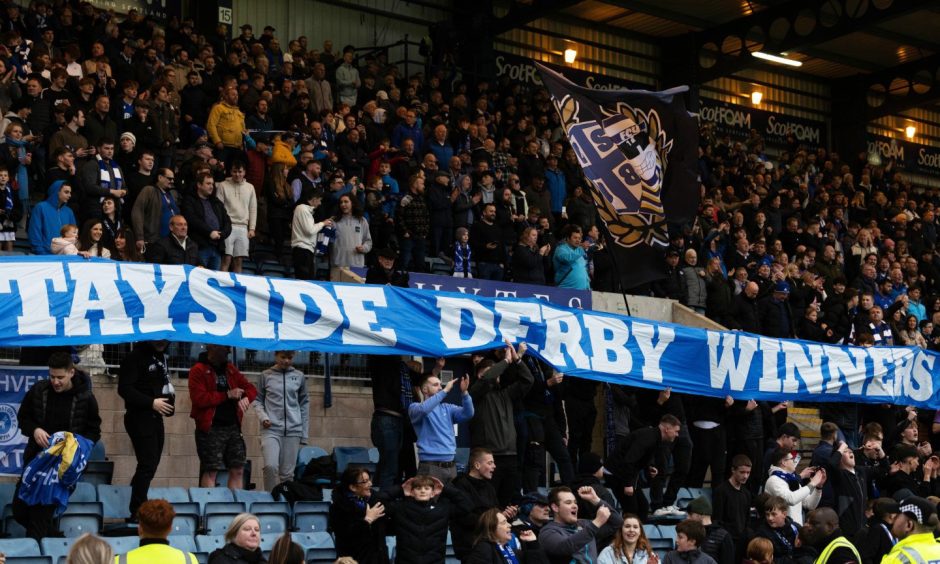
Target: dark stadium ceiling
890,45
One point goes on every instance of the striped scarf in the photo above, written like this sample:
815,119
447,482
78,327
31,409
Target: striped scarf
108,172
462,258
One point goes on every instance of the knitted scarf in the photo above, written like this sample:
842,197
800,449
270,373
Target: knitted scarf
792,480
462,257
107,177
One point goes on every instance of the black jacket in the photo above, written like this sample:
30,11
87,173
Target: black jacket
232,554
195,215
167,250
143,375
873,541
486,552
421,528
634,454
482,496
528,266
39,411
355,537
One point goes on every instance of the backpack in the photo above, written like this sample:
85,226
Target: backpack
293,492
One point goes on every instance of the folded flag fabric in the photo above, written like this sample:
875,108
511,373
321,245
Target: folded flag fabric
50,478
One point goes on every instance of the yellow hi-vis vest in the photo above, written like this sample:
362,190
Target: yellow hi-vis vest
156,553
915,549
838,542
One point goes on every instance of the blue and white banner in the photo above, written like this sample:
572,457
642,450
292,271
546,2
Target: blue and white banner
58,301
15,381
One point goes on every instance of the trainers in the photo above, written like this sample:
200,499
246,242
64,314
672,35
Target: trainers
667,511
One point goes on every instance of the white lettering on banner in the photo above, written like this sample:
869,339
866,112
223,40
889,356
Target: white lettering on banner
643,333
257,323
845,366
726,116
220,306
563,331
725,368
142,278
96,290
880,384
37,318
361,329
297,294
928,159
800,132
805,363
769,378
921,384
609,344
511,315
452,310
887,149
521,72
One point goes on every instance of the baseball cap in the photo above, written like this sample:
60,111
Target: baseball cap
782,287
918,509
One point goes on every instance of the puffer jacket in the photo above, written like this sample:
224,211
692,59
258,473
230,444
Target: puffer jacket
421,527
283,400
205,396
226,124
36,412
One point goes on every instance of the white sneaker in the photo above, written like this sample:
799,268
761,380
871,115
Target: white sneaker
667,511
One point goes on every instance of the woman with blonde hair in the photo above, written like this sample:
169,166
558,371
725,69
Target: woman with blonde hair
89,549
630,545
242,542
280,199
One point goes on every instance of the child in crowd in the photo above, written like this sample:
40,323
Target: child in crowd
462,254
66,243
689,538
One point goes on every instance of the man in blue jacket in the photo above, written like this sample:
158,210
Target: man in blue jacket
570,260
434,420
49,216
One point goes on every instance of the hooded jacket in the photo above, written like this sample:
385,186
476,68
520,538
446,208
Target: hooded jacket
47,220
283,400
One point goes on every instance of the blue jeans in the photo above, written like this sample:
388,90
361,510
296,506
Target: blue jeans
387,435
210,258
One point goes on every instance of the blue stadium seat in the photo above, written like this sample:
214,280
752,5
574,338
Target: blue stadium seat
273,524
462,459
267,543
310,522
98,472
374,455
76,525
208,543
327,494
83,492
120,545
11,528
56,548
351,455
652,531
186,543
217,523
174,495
30,560
303,457
205,495
185,525
19,547
116,500
6,493
258,507
251,496
213,507
311,507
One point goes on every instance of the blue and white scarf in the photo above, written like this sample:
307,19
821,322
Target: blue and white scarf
462,257
324,238
106,177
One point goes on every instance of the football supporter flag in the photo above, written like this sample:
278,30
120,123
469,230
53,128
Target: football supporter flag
638,149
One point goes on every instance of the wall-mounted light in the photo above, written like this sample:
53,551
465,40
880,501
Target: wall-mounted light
756,97
570,55
777,59
910,131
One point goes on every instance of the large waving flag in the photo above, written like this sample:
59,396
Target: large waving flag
639,151
50,477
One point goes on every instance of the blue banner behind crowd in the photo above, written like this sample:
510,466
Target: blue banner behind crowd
56,301
15,381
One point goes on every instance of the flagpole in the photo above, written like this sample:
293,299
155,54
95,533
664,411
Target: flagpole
613,258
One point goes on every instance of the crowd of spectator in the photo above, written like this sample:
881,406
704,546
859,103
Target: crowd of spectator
129,141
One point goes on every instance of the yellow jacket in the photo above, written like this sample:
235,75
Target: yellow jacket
914,548
156,553
226,125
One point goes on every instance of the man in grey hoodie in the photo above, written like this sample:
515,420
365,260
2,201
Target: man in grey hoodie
283,407
569,540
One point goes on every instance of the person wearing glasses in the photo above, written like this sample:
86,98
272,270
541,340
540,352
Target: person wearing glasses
153,209
801,490
357,519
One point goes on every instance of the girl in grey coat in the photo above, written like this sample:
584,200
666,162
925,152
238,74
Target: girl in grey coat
283,407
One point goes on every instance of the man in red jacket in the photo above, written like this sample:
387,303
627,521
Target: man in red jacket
220,396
